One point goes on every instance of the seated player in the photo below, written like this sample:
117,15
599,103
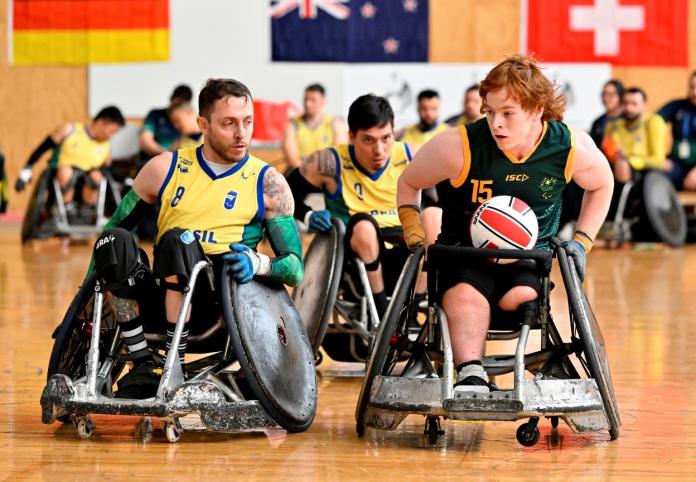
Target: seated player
634,142
79,151
521,149
472,108
428,126
359,184
313,130
216,201
185,121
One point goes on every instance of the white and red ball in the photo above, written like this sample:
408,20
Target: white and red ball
504,222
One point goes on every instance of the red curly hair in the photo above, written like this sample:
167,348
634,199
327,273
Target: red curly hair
526,84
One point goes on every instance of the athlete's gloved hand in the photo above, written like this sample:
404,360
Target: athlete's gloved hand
414,234
576,250
23,179
318,221
244,262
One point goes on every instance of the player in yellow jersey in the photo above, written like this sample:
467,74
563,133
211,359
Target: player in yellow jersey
313,130
216,201
184,119
428,125
79,151
472,108
359,184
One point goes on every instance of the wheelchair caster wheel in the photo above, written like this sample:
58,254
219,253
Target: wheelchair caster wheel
84,426
318,358
554,422
172,432
433,430
528,435
143,430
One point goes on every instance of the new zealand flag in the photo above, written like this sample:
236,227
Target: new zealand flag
350,30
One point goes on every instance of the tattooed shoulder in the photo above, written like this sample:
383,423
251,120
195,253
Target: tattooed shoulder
277,194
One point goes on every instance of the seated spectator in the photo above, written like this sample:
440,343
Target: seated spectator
681,113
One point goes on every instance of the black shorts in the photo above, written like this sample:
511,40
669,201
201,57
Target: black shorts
391,258
492,280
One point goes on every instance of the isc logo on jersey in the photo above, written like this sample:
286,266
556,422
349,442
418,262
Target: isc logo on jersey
516,177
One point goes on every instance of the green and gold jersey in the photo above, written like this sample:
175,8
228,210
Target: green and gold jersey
360,191
538,179
219,208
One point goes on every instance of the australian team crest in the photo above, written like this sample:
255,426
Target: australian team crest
230,199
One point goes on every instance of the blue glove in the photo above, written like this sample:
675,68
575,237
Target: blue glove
241,262
576,250
319,221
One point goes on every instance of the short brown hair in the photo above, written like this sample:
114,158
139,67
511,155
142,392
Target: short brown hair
215,89
526,84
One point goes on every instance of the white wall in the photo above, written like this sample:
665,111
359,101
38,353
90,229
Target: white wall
231,38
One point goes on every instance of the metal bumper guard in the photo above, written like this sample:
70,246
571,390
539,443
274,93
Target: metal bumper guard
577,402
203,398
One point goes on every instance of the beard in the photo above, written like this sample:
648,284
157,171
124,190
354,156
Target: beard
220,149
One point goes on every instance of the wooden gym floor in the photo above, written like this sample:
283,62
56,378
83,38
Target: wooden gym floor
644,299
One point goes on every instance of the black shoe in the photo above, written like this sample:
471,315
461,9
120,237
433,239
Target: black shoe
472,383
140,382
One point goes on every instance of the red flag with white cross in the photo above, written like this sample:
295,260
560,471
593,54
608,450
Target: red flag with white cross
621,32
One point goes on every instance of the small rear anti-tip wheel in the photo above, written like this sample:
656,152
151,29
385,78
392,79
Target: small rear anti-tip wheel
528,434
432,429
172,432
84,426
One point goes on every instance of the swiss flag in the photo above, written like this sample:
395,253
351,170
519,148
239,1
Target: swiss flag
621,32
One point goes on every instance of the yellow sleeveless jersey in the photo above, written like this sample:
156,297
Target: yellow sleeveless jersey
218,209
80,150
362,192
191,140
413,134
311,140
642,141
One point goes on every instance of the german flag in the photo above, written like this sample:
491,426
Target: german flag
78,32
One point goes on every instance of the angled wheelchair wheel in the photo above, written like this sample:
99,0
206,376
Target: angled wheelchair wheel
593,355
666,215
315,296
384,356
37,214
72,336
271,345
113,192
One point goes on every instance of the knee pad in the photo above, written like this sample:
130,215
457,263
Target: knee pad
120,264
176,253
91,183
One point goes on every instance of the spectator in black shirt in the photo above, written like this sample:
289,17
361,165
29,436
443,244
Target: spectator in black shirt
681,113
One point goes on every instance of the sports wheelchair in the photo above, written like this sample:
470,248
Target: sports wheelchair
647,209
335,301
46,213
255,370
571,377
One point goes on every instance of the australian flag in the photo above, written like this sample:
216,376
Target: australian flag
350,30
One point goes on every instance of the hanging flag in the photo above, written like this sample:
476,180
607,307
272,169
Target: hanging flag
349,30
78,32
621,32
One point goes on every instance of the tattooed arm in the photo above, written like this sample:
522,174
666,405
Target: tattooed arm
287,266
319,169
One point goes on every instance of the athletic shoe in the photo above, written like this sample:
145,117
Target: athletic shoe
140,382
472,378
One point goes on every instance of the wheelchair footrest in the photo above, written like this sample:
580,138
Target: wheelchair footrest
500,401
62,397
